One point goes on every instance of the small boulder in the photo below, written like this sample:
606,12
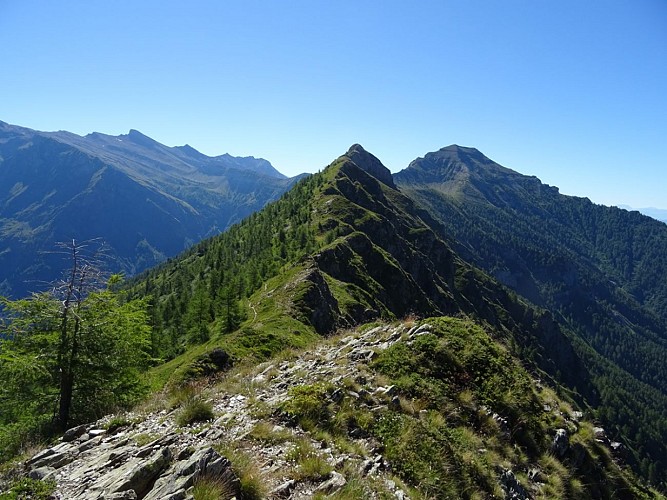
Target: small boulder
42,473
74,433
284,490
335,482
513,488
536,476
560,443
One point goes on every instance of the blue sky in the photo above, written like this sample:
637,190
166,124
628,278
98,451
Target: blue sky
572,92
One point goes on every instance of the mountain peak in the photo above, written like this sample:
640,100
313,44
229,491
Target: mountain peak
189,151
370,164
457,148
141,139
463,153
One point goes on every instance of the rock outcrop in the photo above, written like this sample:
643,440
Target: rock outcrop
147,455
100,465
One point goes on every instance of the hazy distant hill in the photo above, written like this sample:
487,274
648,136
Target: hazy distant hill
656,213
146,200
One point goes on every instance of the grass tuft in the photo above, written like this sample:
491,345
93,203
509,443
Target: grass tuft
209,488
33,489
310,465
193,410
253,484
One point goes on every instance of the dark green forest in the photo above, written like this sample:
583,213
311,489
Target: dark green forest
600,270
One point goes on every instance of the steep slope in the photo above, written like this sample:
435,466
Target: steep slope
404,410
600,269
656,213
464,405
340,249
145,200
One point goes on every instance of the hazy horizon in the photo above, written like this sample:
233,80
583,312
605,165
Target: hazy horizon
571,93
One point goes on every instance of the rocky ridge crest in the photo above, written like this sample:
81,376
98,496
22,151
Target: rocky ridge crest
149,456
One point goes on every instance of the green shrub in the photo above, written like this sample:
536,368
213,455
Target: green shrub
33,489
195,409
265,432
309,405
117,422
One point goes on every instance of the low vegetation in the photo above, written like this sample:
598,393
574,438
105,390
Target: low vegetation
208,488
244,465
26,488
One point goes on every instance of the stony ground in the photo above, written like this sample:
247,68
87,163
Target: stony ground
148,455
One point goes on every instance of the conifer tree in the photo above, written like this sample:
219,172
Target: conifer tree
72,353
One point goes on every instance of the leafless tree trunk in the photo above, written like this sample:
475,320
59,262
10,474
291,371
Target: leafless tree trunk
83,277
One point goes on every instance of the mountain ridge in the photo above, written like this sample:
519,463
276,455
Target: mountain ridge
148,201
597,268
374,256
473,393
350,245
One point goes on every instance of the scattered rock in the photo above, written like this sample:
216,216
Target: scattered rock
362,354
502,422
183,475
284,490
91,463
560,443
335,482
536,476
395,403
74,433
513,489
601,435
337,395
42,473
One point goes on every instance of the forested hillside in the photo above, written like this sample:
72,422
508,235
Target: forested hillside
495,385
339,249
601,270
342,248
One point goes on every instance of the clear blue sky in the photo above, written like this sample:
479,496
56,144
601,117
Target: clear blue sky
574,92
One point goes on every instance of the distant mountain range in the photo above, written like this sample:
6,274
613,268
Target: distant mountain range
657,213
147,201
